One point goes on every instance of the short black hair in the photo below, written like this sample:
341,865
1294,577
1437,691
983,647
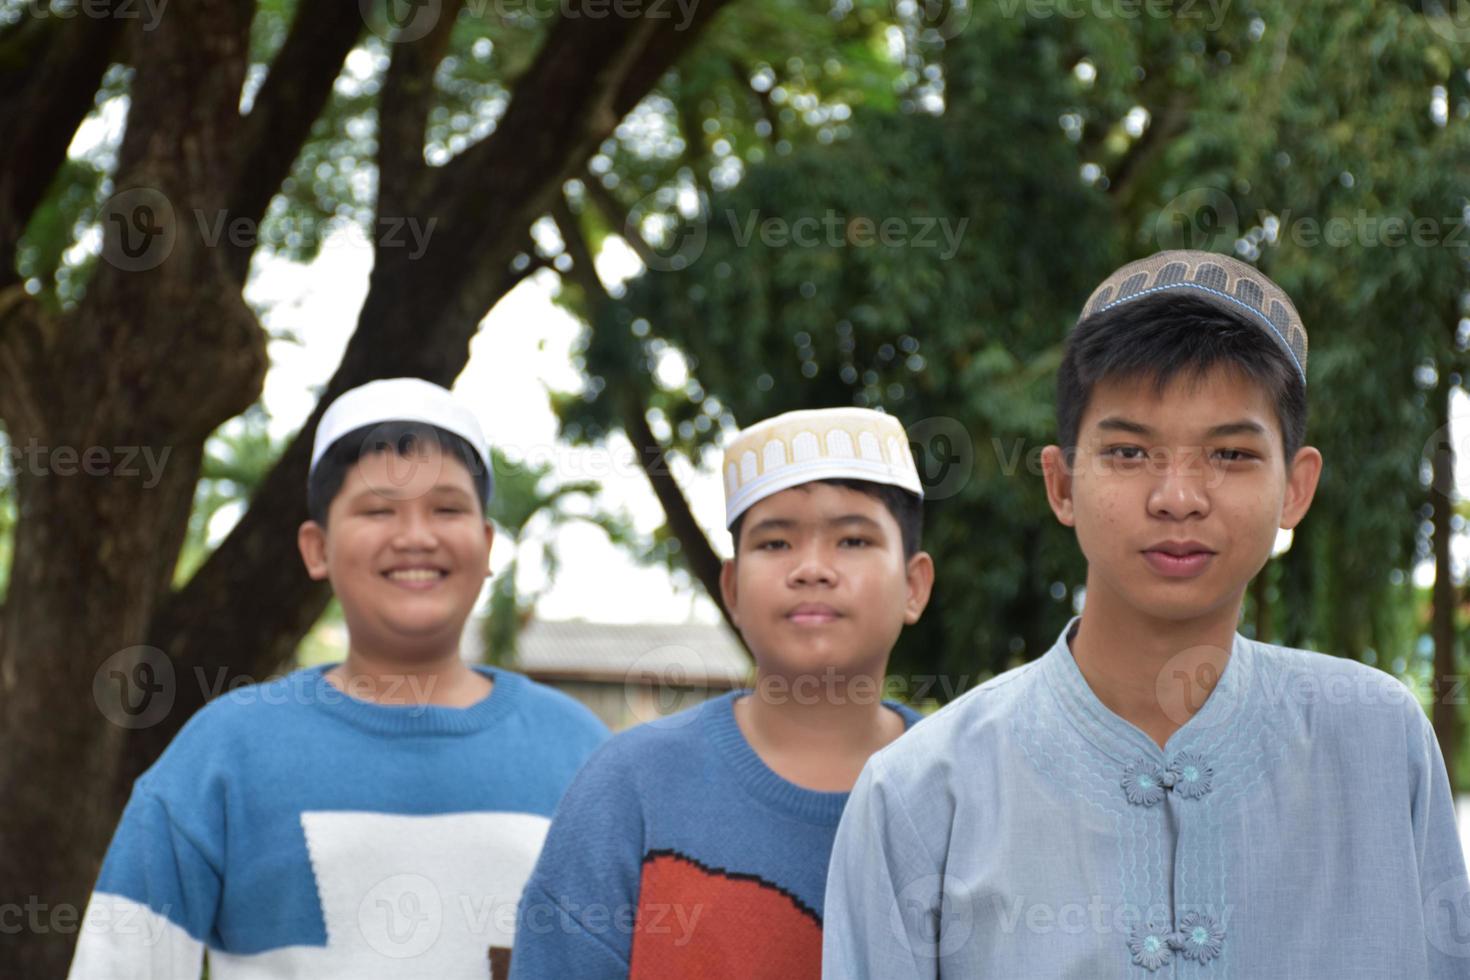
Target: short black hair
907,510
1160,338
399,437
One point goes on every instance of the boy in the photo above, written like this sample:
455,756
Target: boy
1158,795
697,845
377,818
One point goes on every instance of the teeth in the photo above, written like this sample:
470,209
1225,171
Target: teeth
414,575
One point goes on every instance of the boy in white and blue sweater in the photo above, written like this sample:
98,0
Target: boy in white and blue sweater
697,845
376,818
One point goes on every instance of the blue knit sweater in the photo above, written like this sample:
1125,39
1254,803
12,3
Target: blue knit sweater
295,831
678,853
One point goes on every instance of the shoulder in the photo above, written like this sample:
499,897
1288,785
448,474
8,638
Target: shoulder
1324,688
979,717
248,710
646,760
225,743
557,708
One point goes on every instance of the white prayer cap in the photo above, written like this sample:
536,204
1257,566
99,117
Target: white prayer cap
398,400
816,444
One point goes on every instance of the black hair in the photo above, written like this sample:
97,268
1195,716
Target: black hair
907,510
399,437
1160,338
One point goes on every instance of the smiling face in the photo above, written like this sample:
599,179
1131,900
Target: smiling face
1177,495
406,548
820,582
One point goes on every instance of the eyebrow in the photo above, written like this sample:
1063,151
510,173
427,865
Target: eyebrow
786,523
368,493
1242,427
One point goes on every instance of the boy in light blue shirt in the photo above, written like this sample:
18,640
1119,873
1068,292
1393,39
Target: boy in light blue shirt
1158,795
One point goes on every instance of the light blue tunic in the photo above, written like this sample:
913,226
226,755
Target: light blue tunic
1300,825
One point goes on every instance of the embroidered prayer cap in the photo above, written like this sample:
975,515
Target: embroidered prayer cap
816,444
398,400
1225,282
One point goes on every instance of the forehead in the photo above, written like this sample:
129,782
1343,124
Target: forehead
809,502
424,468
1187,404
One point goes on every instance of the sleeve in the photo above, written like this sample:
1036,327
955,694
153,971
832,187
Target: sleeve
576,915
1442,877
154,903
884,897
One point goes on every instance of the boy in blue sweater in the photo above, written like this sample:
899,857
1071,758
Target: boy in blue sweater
376,818
697,845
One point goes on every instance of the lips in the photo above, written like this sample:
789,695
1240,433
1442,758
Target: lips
813,614
1179,559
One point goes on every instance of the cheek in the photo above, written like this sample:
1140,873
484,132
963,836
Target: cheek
1103,506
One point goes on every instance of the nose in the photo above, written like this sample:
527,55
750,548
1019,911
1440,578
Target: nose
414,531
1181,486
813,567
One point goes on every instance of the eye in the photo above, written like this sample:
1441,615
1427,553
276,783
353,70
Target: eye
377,512
1234,455
855,542
772,544
1127,454
450,510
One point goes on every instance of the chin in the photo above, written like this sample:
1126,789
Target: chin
1183,607
817,660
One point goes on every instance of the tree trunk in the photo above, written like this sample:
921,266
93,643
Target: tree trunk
1445,712
109,407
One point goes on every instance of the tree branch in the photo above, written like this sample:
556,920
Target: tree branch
699,555
403,112
1142,152
289,101
616,216
50,71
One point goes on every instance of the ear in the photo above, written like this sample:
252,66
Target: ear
920,574
1301,486
728,592
311,541
1057,475
489,542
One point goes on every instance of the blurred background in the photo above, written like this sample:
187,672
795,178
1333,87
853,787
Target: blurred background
622,228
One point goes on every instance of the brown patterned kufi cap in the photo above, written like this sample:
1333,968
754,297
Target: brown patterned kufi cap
1228,283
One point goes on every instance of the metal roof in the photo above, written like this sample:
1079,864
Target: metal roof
675,654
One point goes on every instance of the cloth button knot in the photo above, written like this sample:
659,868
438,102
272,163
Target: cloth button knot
1145,782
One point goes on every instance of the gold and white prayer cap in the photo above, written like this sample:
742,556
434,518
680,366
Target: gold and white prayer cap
816,444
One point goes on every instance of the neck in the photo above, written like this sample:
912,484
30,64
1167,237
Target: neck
441,678
1154,673
817,731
